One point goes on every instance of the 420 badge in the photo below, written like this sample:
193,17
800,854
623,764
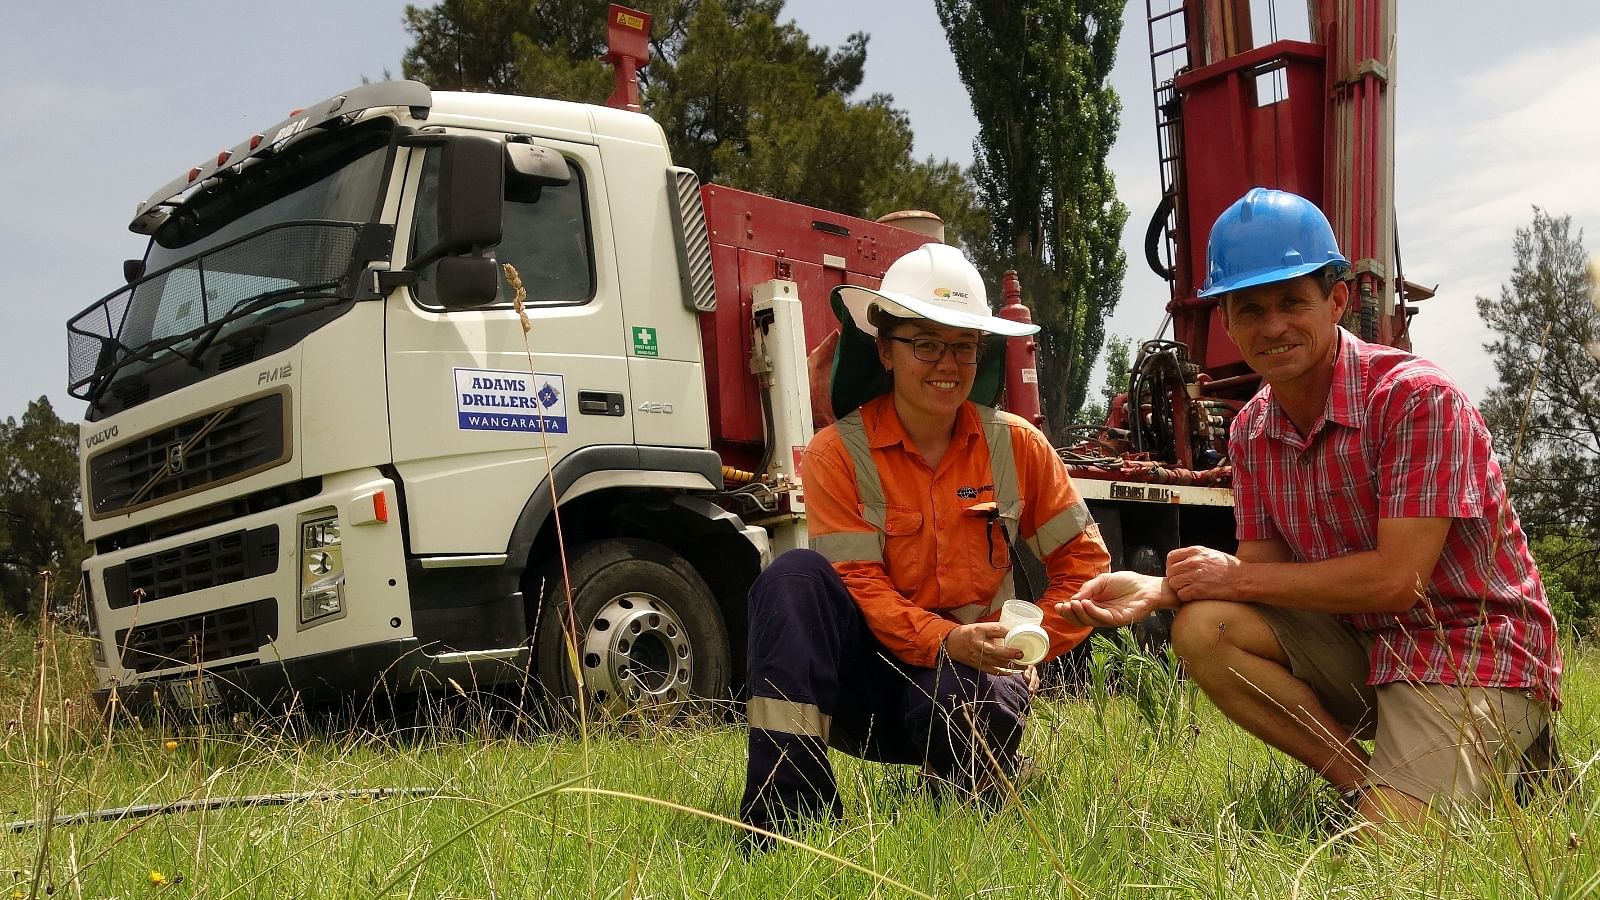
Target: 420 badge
494,400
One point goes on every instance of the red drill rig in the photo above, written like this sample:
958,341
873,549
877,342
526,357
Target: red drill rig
1312,116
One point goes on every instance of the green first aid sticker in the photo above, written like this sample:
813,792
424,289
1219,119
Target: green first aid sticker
644,342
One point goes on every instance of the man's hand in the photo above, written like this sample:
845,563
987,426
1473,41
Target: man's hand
979,646
1201,573
1114,599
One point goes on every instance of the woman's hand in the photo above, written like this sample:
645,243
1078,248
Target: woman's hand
980,646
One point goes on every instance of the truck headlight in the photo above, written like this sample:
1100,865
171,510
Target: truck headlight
321,569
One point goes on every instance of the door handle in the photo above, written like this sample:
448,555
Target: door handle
601,403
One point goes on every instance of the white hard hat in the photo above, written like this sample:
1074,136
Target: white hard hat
935,282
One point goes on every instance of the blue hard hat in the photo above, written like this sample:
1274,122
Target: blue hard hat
1268,236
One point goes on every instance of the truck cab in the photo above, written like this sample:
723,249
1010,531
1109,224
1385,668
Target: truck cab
324,435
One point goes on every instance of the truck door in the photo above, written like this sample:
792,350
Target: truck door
478,412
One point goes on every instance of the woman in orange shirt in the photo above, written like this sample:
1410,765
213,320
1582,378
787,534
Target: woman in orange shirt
881,639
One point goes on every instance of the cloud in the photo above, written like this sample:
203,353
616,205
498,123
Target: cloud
1506,138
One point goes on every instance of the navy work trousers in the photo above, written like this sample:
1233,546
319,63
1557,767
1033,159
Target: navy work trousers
819,678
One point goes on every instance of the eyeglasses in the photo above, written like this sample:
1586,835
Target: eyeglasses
929,350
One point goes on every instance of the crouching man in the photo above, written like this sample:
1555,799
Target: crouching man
881,640
1383,589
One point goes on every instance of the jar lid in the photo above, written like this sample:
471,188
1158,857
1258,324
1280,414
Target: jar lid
1032,640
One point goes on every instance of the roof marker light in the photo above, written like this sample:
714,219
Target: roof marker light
256,139
194,173
222,156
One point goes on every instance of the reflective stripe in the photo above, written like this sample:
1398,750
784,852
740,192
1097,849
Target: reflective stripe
1006,591
853,432
1007,494
968,614
1054,534
849,546
1002,462
772,714
972,612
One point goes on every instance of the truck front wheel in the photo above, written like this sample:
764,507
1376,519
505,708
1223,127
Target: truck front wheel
649,635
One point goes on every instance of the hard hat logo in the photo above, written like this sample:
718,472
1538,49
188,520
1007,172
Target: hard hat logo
934,282
1268,236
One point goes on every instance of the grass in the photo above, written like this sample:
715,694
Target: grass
1130,800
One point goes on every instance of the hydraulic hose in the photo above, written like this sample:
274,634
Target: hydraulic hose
1152,236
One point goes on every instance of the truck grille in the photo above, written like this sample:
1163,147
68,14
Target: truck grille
210,449
223,559
235,631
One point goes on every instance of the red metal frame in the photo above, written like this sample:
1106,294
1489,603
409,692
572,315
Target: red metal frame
1327,139
1313,117
755,239
628,51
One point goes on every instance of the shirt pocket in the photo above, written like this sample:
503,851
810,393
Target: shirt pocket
902,547
1347,515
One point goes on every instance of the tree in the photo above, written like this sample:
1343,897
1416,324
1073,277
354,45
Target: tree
41,527
1549,437
551,47
1037,71
744,99
1118,350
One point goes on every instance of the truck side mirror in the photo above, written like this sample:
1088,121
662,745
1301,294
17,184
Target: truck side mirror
466,282
132,270
540,165
471,185
530,168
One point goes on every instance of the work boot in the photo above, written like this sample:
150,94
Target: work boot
1336,816
987,790
1543,768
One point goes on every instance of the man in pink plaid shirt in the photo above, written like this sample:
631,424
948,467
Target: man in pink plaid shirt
1382,589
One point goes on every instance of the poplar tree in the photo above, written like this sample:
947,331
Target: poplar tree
1037,72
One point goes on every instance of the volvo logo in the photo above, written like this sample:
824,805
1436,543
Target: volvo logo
176,457
175,461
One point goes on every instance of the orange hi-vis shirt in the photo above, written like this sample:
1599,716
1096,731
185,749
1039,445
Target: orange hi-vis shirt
939,561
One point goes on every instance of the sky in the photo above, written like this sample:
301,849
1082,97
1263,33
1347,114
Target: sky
105,102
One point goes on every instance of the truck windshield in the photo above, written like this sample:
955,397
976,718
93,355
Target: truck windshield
241,270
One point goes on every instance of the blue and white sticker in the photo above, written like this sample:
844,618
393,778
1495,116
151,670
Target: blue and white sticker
492,400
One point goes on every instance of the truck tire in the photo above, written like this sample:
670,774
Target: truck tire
650,636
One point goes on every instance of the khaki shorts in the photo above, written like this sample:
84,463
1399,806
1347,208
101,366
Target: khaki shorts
1440,743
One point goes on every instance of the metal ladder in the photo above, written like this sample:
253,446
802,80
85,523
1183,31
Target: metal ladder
1169,56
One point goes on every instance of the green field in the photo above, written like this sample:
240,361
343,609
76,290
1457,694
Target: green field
1139,792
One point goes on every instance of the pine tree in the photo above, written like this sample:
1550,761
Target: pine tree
1544,413
745,99
40,524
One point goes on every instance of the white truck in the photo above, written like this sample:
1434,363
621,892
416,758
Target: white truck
322,453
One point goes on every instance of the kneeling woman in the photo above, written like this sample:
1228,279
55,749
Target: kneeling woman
881,640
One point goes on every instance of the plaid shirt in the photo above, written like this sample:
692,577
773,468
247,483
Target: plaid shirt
1399,440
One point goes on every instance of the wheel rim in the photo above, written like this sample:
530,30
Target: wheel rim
636,653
